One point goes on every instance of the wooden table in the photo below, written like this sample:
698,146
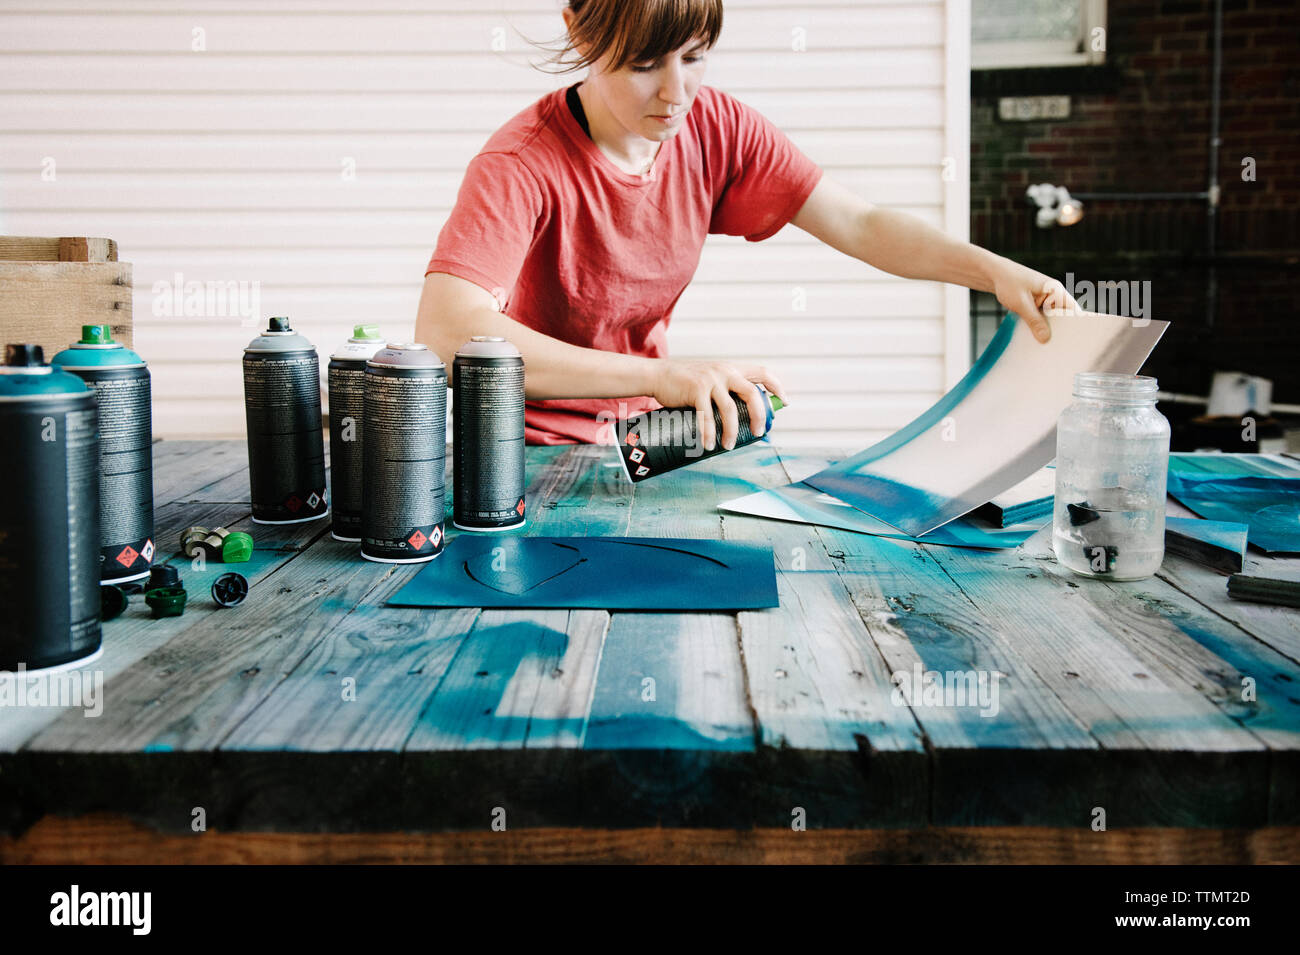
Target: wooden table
771,735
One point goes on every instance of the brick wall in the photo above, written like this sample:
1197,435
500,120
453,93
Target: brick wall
1142,123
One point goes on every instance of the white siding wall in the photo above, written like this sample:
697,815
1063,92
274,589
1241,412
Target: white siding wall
229,164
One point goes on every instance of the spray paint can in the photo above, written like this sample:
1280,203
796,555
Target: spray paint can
654,442
488,435
49,530
347,384
122,389
404,453
286,452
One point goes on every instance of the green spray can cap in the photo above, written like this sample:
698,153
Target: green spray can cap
364,332
237,547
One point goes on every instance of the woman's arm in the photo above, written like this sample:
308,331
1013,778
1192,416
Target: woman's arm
452,310
904,245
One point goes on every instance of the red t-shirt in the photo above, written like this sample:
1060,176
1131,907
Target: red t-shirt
580,250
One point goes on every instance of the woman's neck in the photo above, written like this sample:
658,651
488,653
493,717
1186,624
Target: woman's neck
631,153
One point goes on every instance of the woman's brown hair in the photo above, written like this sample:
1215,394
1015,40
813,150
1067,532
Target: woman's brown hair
635,31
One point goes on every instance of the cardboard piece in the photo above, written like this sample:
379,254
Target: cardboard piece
1220,545
605,573
1261,491
995,428
804,504
1030,500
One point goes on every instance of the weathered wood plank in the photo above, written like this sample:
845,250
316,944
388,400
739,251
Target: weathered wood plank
670,727
1278,627
181,694
833,743
103,839
397,656
1083,640
182,467
135,634
695,697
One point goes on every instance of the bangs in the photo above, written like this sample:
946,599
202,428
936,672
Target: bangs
638,31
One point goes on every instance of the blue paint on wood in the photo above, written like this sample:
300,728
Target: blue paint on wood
464,708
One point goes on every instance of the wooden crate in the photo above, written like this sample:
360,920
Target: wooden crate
49,288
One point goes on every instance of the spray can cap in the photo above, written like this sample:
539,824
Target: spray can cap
237,547
96,335
164,575
24,356
364,332
166,601
229,590
777,403
280,323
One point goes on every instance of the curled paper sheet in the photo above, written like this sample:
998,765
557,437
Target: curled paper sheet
802,504
996,427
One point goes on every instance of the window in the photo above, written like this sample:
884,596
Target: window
1019,33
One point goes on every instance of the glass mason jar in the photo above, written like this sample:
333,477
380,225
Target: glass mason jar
1112,463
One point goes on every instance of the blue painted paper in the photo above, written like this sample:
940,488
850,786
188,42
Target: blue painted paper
1259,490
1270,507
609,573
993,429
804,504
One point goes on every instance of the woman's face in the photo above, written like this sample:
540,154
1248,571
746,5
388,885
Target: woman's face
652,99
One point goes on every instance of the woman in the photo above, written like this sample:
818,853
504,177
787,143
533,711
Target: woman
580,223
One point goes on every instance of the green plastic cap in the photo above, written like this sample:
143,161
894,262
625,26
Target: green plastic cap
237,547
96,335
166,601
365,331
777,403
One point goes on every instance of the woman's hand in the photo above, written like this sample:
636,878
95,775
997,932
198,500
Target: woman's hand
1030,294
702,384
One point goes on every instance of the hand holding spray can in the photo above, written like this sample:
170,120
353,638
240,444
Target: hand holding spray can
665,439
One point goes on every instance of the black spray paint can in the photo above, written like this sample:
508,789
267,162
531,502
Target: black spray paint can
347,390
122,389
488,436
404,452
662,440
49,527
286,451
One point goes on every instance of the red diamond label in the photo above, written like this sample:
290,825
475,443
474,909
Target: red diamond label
417,540
436,536
293,503
147,551
633,438
519,508
128,556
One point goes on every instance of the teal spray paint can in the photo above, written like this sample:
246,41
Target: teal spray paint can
121,382
286,450
49,529
664,439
